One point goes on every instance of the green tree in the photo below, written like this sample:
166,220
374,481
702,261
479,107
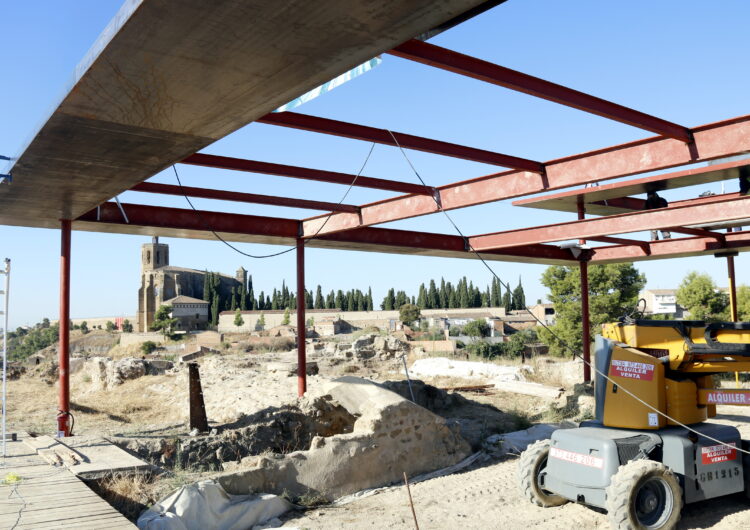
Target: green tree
127,327
443,294
163,320
287,317
743,303
261,324
613,291
319,300
515,346
238,318
389,301
408,313
84,327
433,298
148,347
477,329
422,297
495,298
519,298
507,301
110,326
215,309
698,294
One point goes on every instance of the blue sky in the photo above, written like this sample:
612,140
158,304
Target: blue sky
683,61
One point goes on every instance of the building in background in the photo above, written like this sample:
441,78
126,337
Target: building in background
191,313
161,282
662,302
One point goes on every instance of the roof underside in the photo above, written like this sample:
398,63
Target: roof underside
161,83
166,80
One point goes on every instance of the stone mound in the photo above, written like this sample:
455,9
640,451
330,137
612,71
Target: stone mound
390,436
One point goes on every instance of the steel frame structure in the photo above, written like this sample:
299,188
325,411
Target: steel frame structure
675,145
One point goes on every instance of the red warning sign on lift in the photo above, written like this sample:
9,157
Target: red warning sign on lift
633,370
714,454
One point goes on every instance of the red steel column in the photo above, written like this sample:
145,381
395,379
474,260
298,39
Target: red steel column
585,322
732,289
63,414
301,324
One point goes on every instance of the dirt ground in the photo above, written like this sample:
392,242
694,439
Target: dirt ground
484,496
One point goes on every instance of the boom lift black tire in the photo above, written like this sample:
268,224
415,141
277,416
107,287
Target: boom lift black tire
532,462
644,495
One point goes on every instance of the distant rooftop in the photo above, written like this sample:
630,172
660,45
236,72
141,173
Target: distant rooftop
185,300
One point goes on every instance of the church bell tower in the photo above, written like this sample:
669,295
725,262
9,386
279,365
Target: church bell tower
154,255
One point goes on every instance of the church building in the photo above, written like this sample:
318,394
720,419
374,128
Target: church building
162,282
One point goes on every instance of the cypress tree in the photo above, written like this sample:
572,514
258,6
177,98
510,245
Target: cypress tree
215,309
250,294
309,300
463,293
422,298
319,301
331,300
494,295
433,298
507,302
369,299
519,298
339,302
350,303
443,295
389,301
261,305
401,299
233,300
275,299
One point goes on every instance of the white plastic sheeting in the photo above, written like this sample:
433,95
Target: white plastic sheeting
442,366
205,505
517,442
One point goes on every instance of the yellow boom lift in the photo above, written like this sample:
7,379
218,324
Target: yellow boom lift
650,449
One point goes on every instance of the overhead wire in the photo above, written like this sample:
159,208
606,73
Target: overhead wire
567,346
274,254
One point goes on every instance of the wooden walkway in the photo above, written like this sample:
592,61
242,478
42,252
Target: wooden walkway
49,497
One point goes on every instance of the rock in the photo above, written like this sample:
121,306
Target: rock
391,436
105,373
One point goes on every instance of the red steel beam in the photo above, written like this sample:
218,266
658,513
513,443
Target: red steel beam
661,219
235,196
619,241
147,217
63,412
142,216
718,140
177,218
408,141
281,170
696,232
672,248
429,54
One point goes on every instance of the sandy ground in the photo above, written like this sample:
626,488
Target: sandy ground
486,497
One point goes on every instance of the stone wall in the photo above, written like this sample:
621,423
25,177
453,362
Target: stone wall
359,319
434,346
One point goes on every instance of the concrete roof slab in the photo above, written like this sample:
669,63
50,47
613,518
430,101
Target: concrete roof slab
166,79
